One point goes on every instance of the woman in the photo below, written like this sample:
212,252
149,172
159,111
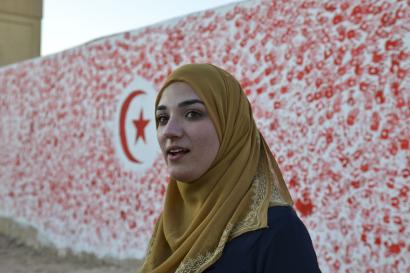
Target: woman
227,208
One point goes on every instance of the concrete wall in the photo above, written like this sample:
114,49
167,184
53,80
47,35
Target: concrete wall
20,30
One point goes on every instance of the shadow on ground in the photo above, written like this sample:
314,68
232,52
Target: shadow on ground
16,257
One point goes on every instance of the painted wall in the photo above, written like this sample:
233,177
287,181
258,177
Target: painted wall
329,83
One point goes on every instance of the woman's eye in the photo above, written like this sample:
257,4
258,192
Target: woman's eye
193,115
162,119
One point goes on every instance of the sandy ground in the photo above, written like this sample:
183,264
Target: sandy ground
18,258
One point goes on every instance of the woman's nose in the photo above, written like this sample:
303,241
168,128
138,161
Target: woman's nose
173,128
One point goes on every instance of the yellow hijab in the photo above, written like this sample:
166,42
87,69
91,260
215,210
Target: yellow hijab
230,198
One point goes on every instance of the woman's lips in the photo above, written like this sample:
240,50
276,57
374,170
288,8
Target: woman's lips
176,157
177,154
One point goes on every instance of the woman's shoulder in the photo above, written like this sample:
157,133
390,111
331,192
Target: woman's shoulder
272,249
284,226
285,229
282,217
287,240
285,234
282,222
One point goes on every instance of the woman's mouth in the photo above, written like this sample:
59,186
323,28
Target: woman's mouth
175,154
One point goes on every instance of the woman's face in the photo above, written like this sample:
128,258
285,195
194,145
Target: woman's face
185,132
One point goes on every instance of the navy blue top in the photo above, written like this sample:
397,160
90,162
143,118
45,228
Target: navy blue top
283,247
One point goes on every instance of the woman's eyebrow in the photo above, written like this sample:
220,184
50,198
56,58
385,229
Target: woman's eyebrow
189,102
161,107
181,104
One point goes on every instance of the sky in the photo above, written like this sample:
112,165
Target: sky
69,23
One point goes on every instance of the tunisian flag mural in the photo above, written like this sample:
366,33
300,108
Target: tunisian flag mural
329,83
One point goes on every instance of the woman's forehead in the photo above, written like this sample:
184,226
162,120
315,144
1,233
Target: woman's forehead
177,92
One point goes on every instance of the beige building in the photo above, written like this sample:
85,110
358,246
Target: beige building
20,30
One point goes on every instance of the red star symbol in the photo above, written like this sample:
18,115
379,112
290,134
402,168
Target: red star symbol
140,125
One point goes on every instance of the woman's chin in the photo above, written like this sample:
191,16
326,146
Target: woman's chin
185,177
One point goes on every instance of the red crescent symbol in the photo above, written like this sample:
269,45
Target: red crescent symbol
123,115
